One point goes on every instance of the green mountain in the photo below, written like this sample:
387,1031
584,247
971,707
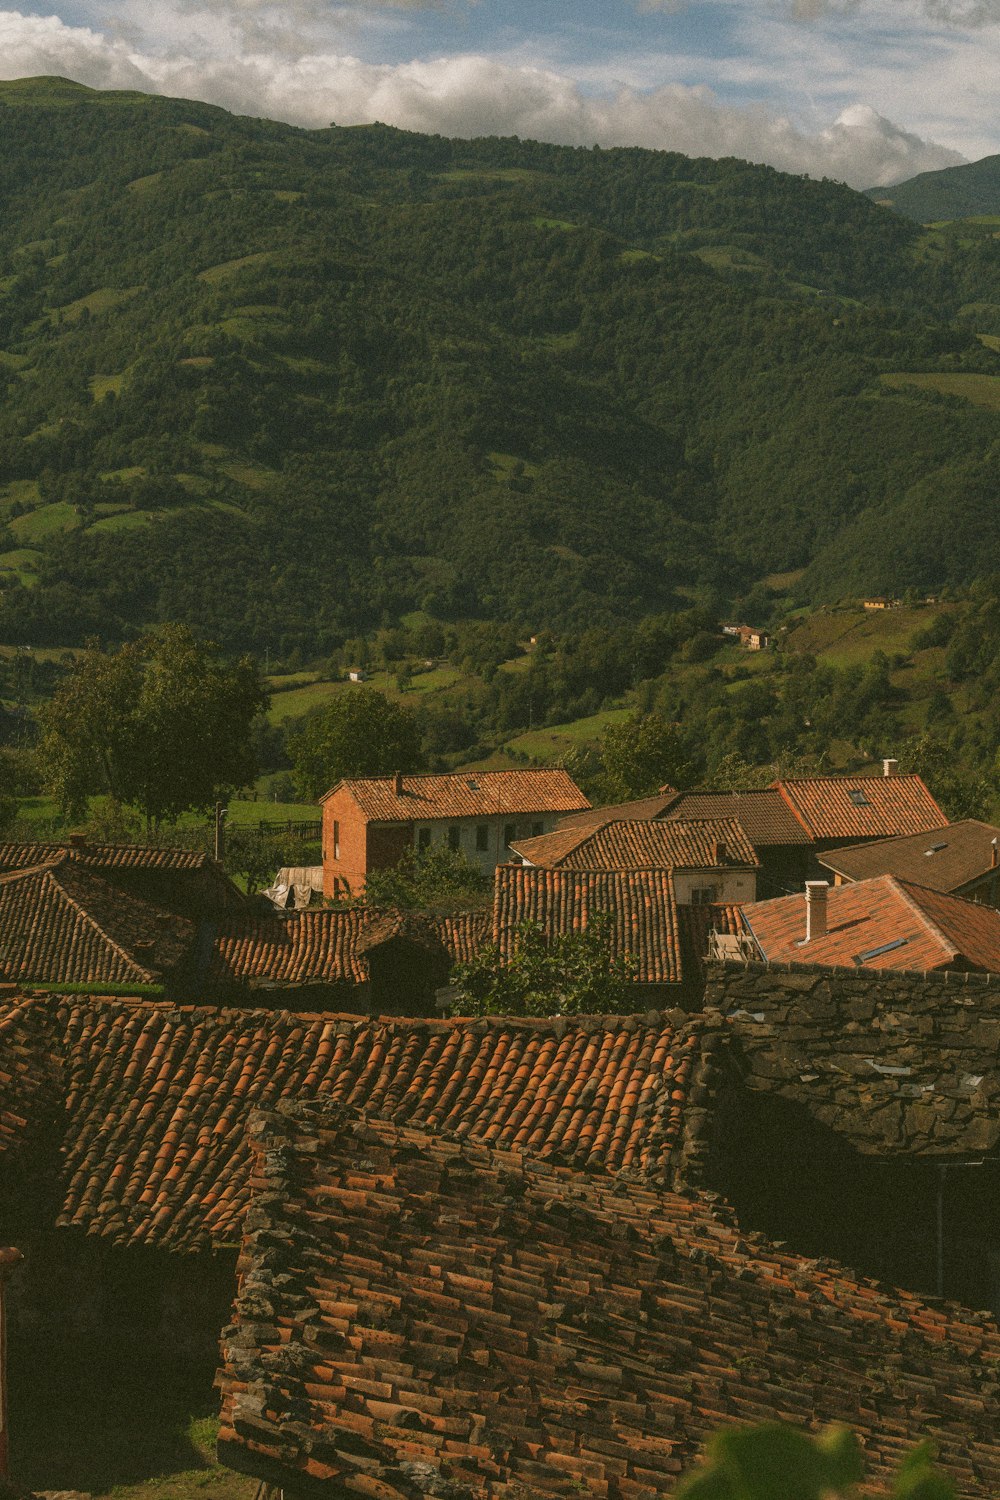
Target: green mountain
965,192
286,385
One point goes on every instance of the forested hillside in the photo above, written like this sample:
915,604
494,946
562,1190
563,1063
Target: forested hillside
287,386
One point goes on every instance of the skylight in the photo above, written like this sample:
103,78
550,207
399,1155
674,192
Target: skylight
934,849
862,958
858,797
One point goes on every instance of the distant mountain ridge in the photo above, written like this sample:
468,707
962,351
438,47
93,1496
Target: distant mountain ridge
968,191
287,385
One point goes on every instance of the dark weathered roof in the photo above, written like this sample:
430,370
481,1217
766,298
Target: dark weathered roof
665,844
765,816
419,1315
152,1100
881,924
327,946
639,808
944,859
62,923
21,856
637,906
468,794
839,807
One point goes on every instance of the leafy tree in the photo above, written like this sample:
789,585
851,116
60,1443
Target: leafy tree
162,725
572,974
961,792
358,733
425,879
773,1461
644,752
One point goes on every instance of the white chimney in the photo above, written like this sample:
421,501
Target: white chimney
890,768
816,893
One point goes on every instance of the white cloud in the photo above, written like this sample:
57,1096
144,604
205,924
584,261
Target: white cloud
467,96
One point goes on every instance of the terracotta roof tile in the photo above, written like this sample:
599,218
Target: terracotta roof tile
837,807
635,845
882,923
327,946
103,856
61,923
638,809
425,1313
154,1098
943,859
478,794
638,906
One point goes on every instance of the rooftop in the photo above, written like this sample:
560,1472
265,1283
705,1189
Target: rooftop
764,815
419,1315
479,794
710,843
944,859
883,923
841,807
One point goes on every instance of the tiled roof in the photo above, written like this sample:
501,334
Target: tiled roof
420,1316
155,1098
764,816
837,807
328,947
637,810
943,860
882,923
479,794
103,856
636,845
637,905
61,923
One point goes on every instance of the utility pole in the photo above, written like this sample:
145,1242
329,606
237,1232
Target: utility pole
221,813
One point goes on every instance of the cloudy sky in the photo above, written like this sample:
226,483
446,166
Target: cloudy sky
868,91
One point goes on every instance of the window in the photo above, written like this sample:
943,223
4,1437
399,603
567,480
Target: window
454,836
509,833
858,797
423,838
536,829
482,837
703,895
336,839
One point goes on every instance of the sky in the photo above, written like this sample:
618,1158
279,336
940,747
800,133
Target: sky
869,92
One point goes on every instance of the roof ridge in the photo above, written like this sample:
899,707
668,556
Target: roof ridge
900,887
51,872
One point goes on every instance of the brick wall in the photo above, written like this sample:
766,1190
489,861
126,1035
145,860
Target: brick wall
345,875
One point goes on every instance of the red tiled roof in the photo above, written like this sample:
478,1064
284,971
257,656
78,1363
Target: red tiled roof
155,1098
435,1317
943,859
828,806
764,816
103,856
326,946
635,845
479,794
635,811
61,923
638,906
881,924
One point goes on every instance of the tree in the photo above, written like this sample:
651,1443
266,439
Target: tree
572,974
961,793
424,879
644,752
358,733
162,725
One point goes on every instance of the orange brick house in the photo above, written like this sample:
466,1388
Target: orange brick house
369,822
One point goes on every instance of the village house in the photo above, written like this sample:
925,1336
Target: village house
711,860
369,822
882,923
962,859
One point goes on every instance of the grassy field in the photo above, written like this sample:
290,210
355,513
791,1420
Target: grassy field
551,744
850,635
35,525
981,390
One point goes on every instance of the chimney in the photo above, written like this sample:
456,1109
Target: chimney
720,852
816,893
78,840
890,768
994,854
397,783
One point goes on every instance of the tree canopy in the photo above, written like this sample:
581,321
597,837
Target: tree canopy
360,732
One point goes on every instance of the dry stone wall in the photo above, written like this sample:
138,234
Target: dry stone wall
896,1062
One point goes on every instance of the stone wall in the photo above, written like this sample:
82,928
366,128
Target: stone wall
893,1062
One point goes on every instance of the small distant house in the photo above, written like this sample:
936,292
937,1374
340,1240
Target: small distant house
357,676
370,822
731,629
752,639
878,602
